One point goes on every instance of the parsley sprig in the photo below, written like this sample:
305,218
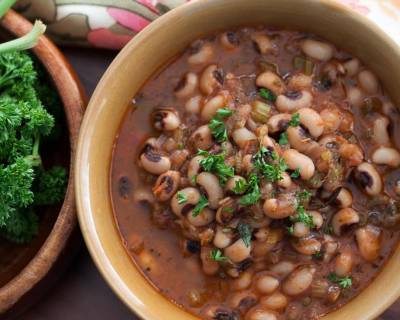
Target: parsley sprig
182,197
268,165
302,215
267,94
217,125
215,163
217,255
344,282
203,202
283,139
253,191
295,121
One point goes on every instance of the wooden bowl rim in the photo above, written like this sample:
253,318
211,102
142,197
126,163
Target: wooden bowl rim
74,101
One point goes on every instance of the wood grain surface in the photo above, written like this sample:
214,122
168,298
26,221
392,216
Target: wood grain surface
81,293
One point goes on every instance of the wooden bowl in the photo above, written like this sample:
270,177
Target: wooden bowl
24,266
144,55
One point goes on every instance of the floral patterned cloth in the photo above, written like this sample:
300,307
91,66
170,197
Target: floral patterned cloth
112,23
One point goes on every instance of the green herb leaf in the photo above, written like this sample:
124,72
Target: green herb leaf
240,186
344,282
217,125
253,189
303,196
303,216
283,139
295,121
245,233
182,197
296,173
267,94
203,202
215,163
217,255
317,255
290,229
265,162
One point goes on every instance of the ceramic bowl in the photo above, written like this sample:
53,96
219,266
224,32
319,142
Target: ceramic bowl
151,49
23,267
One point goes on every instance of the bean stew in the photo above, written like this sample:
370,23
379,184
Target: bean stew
256,176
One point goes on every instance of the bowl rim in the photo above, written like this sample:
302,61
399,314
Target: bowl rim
85,219
74,100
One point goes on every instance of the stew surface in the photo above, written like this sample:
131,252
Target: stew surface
257,177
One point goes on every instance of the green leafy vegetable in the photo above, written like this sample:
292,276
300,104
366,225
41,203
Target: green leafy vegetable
267,94
264,161
217,255
215,163
303,216
182,197
283,139
296,173
217,125
203,202
253,191
295,121
24,125
344,282
51,187
245,233
240,186
303,196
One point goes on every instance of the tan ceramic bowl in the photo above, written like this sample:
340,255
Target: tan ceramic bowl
27,270
151,49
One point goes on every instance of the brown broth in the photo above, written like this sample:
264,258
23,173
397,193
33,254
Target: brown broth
176,275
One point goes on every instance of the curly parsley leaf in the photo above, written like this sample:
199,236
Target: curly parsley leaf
295,121
344,282
267,164
215,163
217,125
182,197
253,191
267,94
283,139
217,255
295,174
240,186
203,202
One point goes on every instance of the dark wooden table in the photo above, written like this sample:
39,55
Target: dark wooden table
81,293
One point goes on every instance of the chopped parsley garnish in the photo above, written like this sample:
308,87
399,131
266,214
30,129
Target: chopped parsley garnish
217,255
303,216
217,125
245,233
182,197
215,163
283,139
240,186
253,191
194,179
303,196
344,282
267,94
317,255
296,173
203,202
295,120
270,171
290,229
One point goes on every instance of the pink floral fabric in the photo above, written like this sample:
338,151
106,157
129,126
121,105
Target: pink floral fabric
112,23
